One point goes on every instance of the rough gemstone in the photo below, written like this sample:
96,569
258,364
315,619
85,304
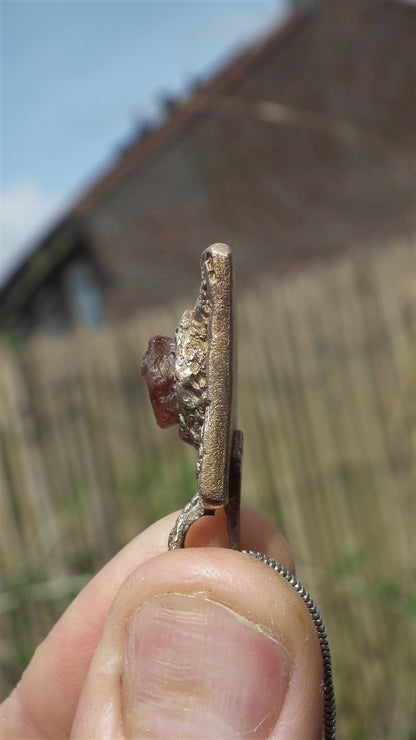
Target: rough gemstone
158,369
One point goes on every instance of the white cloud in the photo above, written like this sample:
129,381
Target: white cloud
26,210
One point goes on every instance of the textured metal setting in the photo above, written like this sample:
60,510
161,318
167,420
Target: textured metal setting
204,387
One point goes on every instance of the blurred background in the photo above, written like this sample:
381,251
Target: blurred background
134,135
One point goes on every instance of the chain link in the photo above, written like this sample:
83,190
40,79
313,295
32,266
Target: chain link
329,721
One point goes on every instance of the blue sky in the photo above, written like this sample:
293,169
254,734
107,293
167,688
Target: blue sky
78,77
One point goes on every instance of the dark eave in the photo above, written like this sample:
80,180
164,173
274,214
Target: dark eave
34,271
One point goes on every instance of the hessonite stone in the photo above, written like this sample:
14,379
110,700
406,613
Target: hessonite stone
158,370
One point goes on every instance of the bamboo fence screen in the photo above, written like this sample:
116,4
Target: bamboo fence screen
327,402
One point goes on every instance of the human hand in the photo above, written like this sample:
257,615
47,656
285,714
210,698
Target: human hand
200,642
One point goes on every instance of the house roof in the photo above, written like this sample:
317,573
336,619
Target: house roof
342,76
42,258
185,114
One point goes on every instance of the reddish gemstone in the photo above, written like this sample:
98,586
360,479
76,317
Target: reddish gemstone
158,369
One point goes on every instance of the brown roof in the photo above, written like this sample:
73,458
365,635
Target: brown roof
303,146
186,113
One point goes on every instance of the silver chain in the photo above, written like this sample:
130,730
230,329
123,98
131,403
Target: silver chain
329,721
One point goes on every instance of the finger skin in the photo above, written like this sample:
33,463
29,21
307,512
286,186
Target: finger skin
240,583
44,703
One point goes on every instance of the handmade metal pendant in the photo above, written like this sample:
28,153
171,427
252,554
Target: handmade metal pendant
190,381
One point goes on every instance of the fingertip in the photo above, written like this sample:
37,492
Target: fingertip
256,533
51,686
230,579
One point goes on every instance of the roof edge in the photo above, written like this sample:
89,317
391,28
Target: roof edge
186,113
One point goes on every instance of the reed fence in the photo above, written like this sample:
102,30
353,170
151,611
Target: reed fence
327,402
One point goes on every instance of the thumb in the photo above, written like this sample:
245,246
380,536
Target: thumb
205,643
